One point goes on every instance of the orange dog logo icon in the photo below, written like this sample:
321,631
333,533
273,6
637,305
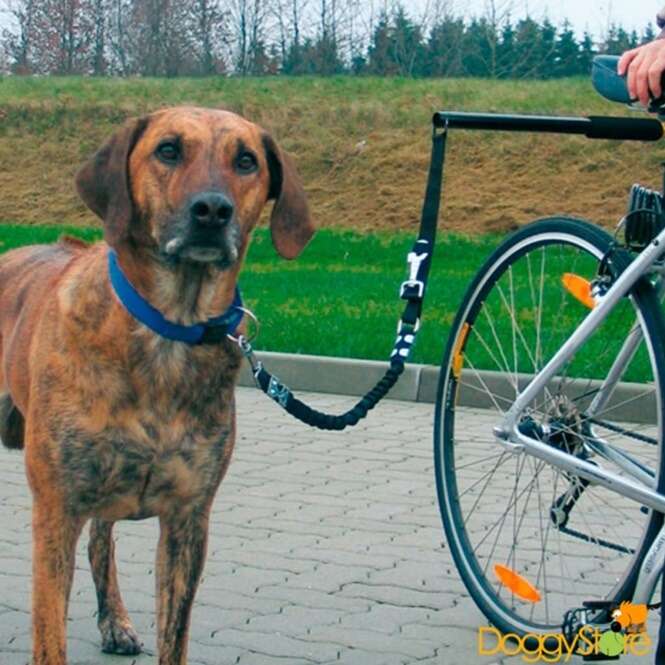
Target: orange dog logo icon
630,618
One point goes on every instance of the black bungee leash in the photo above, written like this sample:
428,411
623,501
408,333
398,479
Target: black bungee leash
412,290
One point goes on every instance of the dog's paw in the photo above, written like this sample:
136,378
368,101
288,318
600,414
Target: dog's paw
119,637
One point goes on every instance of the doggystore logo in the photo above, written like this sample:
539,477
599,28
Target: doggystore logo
628,621
626,636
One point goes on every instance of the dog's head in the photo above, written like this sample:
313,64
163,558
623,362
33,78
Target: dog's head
191,183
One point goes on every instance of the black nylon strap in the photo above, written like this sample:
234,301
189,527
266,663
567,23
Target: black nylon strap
428,223
413,290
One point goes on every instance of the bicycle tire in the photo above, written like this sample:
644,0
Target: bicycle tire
584,237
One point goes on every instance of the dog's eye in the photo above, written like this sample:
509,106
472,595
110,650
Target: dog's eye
246,162
168,152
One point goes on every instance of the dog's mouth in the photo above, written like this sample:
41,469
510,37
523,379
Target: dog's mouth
221,248
202,254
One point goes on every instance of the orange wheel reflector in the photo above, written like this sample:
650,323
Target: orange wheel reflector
517,584
579,288
458,355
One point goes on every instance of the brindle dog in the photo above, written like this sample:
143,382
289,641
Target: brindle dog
118,422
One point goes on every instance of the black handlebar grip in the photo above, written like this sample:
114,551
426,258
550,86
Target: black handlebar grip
626,129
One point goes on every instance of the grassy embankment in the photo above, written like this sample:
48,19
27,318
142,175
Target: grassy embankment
362,146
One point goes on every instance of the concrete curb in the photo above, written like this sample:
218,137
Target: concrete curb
348,376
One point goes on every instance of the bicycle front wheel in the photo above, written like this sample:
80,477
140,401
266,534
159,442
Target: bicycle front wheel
569,540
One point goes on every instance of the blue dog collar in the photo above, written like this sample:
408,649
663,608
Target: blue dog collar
210,332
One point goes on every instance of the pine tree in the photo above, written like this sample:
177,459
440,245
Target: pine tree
567,57
649,34
506,51
407,44
586,55
444,48
477,53
617,41
379,61
528,52
545,57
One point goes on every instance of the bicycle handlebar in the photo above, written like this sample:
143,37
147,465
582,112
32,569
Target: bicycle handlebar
594,127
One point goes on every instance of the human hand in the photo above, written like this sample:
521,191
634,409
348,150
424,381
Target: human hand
645,66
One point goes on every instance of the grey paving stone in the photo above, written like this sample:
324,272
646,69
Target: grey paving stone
274,644
373,641
324,548
314,598
362,657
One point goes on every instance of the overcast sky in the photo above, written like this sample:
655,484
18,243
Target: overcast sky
584,14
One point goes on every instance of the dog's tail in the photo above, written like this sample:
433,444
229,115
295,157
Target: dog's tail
12,424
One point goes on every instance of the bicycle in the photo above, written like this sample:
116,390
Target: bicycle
550,409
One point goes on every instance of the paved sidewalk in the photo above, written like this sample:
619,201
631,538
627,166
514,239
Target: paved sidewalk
325,548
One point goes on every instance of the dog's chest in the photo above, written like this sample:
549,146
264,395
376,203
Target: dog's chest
142,469
158,440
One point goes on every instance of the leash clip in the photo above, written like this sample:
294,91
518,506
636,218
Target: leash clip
247,351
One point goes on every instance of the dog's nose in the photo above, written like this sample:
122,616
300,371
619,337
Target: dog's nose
211,209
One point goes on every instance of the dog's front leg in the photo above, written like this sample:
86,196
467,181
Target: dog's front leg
118,635
180,557
54,542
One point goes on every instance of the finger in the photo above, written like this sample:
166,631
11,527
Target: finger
632,75
625,60
655,77
642,82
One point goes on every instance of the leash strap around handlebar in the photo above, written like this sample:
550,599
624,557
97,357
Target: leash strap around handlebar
412,290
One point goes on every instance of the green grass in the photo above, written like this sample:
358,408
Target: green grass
391,98
16,235
340,297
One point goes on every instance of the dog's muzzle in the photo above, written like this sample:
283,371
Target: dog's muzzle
206,231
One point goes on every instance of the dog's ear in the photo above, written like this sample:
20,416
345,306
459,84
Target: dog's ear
103,181
291,225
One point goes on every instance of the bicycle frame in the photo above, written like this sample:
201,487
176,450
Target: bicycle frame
510,436
507,432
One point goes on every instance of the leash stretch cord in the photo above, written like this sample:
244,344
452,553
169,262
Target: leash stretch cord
412,290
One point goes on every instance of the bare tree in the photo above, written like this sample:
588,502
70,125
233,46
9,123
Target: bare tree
98,16
156,37
249,19
63,31
117,36
333,28
497,12
19,43
209,33
288,16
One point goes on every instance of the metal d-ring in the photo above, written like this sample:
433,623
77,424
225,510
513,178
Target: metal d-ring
254,335
245,346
